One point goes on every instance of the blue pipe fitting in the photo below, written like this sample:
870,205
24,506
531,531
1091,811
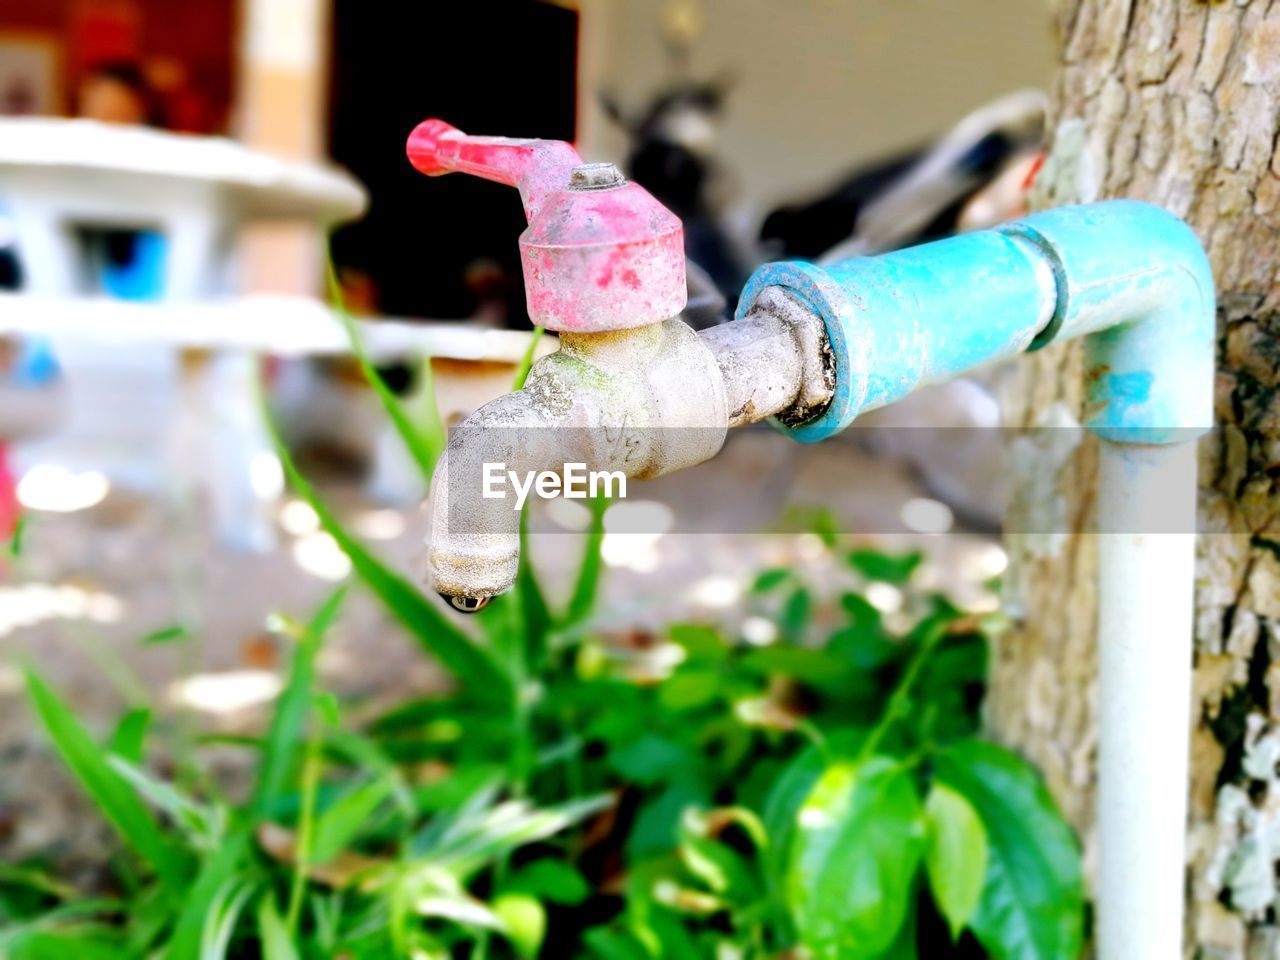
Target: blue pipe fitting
1130,277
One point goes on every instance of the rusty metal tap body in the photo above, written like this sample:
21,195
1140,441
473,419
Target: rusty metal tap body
632,388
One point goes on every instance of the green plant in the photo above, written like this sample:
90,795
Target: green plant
683,795
834,795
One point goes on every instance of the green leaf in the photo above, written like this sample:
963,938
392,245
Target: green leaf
130,733
535,615
150,914
524,922
113,796
688,689
793,785
36,880
526,362
654,913
479,834
207,897
86,943
551,880
652,759
955,858
79,929
473,667
276,942
452,791
587,587
886,567
864,642
856,849
364,753
424,441
906,947
220,921
818,667
199,822
607,943
702,643
769,579
169,634
796,613
783,804
724,871
1032,903
654,830
826,526
953,682
16,538
339,824
290,717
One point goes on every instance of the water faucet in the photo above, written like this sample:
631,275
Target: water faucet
632,388
814,346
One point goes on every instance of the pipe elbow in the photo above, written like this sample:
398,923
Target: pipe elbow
1129,277
1135,282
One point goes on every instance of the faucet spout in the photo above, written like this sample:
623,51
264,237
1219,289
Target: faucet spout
641,402
475,539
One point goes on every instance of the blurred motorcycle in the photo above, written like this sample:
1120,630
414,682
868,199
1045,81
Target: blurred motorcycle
975,175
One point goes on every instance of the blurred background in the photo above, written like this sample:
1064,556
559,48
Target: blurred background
174,175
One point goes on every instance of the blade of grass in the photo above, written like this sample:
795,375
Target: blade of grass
114,797
15,539
344,818
291,709
425,441
110,664
220,923
201,823
130,733
473,667
204,895
587,588
360,752
535,614
87,943
425,413
34,879
276,942
526,362
170,634
311,770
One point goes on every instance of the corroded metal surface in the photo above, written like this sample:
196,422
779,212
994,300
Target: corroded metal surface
643,402
775,361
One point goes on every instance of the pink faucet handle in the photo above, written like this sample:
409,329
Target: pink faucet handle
536,168
599,254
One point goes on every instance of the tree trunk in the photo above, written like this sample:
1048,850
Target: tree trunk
1176,102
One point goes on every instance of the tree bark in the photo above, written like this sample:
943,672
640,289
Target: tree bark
1176,102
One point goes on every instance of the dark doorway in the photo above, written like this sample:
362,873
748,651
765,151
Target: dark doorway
499,68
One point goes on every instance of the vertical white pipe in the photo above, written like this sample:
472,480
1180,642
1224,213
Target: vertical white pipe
1146,577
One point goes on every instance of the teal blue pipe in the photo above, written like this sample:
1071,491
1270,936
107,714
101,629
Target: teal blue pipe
1129,277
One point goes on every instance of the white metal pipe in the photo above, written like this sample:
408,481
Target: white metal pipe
1146,578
